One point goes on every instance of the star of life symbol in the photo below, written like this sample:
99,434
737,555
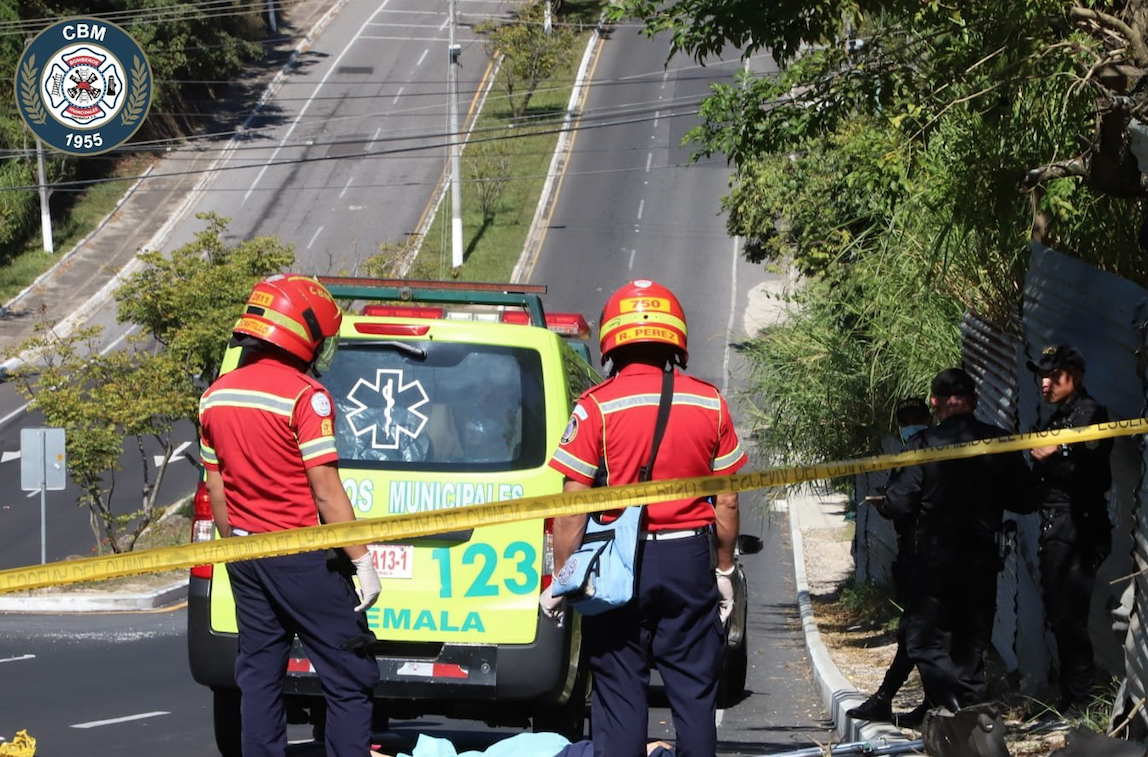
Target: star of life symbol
396,396
84,85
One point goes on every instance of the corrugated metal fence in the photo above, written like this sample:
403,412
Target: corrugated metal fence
1065,301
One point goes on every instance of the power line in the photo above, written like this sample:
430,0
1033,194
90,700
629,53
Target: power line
366,154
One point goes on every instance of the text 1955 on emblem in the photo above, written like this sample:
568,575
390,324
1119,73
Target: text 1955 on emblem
83,86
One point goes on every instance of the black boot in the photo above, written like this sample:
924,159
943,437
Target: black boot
913,718
878,707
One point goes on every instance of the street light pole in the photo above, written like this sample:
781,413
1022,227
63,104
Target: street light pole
453,52
45,209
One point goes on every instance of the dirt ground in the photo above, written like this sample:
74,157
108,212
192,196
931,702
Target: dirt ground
863,649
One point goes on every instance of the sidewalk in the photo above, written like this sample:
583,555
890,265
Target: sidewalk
85,277
808,510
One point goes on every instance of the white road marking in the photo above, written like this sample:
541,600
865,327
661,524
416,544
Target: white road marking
307,104
641,207
657,115
125,719
314,236
732,308
630,265
346,186
718,715
665,75
378,131
649,160
176,454
407,26
444,23
410,39
104,351
397,96
7,456
18,659
422,57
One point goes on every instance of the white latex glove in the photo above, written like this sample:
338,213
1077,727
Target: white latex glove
725,592
369,587
554,608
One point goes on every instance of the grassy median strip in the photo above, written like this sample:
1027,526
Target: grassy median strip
518,154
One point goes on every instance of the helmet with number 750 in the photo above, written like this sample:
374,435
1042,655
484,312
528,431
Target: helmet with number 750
642,312
295,313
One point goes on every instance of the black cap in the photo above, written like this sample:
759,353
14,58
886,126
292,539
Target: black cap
953,382
1057,357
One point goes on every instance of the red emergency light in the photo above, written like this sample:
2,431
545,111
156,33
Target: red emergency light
567,324
391,329
404,311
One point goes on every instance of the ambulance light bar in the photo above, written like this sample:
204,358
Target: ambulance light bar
567,324
406,291
404,311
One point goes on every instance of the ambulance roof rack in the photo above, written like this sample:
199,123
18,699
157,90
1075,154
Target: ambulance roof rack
527,296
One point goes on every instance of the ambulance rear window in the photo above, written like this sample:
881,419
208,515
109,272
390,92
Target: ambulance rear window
438,406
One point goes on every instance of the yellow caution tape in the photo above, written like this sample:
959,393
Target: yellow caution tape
401,527
21,746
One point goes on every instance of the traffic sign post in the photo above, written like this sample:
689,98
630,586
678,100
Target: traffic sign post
43,467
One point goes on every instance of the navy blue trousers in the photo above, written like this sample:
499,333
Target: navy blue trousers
277,598
673,620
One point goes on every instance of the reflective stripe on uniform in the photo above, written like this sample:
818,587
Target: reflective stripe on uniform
574,464
207,454
246,398
640,400
317,447
726,461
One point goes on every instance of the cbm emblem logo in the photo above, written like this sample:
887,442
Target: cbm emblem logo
83,86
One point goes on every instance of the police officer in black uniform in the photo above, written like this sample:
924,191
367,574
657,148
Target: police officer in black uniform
1076,534
912,418
958,506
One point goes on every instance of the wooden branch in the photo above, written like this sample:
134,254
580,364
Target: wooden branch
1111,23
1078,166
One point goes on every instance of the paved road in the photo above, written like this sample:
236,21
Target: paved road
107,685
631,207
375,79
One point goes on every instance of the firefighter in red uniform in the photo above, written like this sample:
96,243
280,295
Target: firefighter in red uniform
269,450
682,598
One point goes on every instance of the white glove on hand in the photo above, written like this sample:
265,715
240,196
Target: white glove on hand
725,592
369,587
554,608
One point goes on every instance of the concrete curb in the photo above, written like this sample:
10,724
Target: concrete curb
532,247
96,602
838,694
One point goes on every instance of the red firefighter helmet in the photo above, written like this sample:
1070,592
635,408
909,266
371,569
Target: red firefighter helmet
642,311
293,312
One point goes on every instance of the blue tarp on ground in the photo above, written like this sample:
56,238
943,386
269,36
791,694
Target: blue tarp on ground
521,745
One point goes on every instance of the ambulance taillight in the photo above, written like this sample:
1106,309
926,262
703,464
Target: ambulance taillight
202,526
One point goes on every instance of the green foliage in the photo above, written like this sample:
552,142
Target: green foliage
186,45
189,301
529,55
900,161
185,305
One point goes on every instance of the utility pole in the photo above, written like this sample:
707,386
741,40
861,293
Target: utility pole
547,21
453,53
271,16
45,209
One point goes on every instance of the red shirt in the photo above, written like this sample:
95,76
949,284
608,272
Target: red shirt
262,426
614,423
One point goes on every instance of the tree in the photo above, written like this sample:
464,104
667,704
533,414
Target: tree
526,54
488,164
902,159
185,306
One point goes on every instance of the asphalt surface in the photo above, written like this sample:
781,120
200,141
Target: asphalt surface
111,684
628,207
375,79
